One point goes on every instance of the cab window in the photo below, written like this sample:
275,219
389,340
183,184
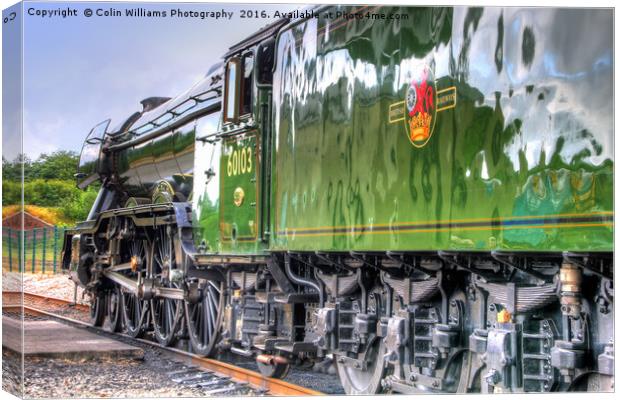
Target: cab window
246,87
232,85
238,91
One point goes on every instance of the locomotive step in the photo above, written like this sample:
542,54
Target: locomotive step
297,347
287,298
284,345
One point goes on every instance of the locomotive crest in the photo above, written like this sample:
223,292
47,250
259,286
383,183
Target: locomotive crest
421,108
423,101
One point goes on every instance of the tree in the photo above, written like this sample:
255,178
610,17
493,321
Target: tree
57,165
12,170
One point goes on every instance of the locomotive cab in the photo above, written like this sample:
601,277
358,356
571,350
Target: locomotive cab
241,180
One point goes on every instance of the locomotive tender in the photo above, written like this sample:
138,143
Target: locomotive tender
427,200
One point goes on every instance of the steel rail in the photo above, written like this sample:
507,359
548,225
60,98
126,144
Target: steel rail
237,374
8,294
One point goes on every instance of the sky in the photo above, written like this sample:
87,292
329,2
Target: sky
81,70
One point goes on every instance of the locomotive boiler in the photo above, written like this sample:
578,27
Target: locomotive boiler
424,195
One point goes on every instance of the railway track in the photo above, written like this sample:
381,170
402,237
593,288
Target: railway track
193,369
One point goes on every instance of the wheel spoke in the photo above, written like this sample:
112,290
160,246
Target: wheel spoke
136,312
209,310
207,329
161,316
158,261
212,307
167,316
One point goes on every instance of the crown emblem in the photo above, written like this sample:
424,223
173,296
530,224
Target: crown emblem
420,127
420,108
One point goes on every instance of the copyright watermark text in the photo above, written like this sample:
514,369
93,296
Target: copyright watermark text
221,14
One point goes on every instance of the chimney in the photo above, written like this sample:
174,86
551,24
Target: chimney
151,103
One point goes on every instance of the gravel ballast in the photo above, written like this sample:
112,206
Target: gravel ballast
57,285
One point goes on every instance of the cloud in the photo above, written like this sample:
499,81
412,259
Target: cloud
77,74
41,134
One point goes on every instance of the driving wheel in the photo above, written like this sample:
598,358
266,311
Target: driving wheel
204,318
134,309
165,312
113,315
97,309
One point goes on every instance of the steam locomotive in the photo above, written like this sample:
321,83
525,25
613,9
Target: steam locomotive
427,199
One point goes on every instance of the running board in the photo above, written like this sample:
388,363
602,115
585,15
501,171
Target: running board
241,352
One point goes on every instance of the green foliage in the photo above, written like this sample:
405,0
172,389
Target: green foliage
11,192
59,165
64,195
12,170
78,209
48,182
51,193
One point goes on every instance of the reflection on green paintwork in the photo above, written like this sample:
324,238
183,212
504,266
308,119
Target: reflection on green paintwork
517,157
508,167
168,157
206,190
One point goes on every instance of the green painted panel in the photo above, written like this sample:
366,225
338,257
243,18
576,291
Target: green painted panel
456,128
239,208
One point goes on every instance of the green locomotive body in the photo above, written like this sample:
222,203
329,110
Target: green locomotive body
425,194
501,170
345,174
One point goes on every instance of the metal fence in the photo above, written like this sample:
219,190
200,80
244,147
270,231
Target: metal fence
40,249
